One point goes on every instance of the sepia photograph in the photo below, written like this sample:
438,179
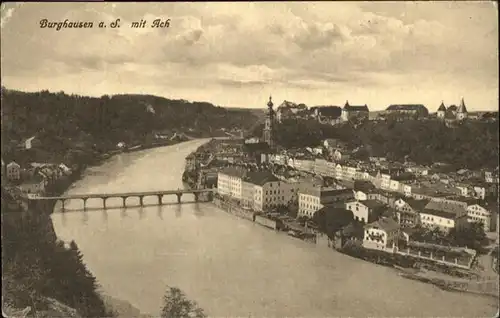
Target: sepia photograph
312,159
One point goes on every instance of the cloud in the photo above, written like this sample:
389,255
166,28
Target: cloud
6,13
314,49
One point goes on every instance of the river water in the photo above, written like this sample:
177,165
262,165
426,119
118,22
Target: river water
230,266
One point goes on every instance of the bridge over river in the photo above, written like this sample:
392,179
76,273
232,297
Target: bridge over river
125,195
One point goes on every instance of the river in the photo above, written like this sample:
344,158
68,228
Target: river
230,266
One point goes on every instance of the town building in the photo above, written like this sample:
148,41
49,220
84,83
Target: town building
333,144
323,167
190,162
443,215
247,194
65,169
366,211
350,111
229,182
381,234
269,191
479,213
13,171
408,211
252,140
313,198
491,176
386,197
339,155
362,189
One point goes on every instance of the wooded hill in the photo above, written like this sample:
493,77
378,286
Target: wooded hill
472,145
110,119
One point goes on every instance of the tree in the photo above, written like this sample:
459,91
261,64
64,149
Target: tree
176,305
471,236
330,219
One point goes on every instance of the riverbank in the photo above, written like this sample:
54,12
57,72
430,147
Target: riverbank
403,266
119,307
29,234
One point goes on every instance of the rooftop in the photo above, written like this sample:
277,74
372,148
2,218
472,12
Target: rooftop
363,185
234,172
355,107
329,111
384,223
260,177
416,107
442,107
373,204
332,192
444,209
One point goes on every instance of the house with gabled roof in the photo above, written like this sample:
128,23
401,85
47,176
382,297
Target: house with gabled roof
408,209
366,211
312,199
381,234
13,171
441,110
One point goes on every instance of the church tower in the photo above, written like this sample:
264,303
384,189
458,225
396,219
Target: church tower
345,111
268,126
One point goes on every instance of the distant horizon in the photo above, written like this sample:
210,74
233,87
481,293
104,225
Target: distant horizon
237,54
264,107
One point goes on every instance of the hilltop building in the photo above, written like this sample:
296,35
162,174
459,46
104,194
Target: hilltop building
452,114
350,111
418,110
462,111
441,112
327,114
289,109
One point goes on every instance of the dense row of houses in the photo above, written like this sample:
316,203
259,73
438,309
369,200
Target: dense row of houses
33,178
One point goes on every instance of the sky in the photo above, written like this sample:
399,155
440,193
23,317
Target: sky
237,54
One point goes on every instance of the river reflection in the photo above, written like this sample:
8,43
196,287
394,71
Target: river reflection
231,267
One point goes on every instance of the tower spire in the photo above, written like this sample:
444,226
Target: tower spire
270,103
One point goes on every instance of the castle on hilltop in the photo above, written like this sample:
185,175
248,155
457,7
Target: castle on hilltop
452,112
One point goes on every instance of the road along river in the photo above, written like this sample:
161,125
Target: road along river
230,266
